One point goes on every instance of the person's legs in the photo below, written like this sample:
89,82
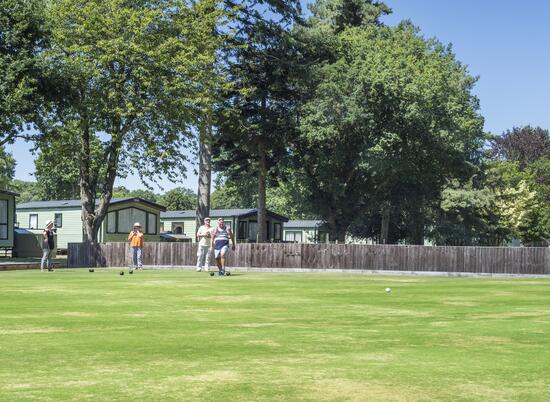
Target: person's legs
134,258
223,252
139,258
202,257
49,260
45,259
217,256
206,265
200,252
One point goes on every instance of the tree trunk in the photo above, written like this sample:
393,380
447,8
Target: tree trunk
341,235
385,224
337,230
87,192
417,220
205,171
262,178
92,217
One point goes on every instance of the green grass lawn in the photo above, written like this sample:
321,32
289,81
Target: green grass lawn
181,335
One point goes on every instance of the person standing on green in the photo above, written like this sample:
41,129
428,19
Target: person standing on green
48,245
220,242
203,251
136,242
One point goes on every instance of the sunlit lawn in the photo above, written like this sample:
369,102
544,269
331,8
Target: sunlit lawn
180,335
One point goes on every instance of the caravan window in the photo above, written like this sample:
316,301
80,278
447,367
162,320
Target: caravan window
253,230
243,230
33,221
3,219
58,220
278,231
151,223
293,235
111,222
122,221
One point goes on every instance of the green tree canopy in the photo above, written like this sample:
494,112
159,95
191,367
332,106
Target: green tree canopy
7,169
258,116
26,190
135,77
22,36
389,123
178,199
57,170
522,144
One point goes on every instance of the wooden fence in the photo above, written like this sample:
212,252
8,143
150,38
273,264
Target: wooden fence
506,260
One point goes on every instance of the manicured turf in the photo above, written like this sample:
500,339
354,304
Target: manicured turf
181,335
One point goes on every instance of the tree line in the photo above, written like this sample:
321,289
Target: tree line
328,114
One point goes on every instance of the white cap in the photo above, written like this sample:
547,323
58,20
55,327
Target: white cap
49,222
137,224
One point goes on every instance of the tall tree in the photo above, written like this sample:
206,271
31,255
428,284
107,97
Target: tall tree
337,15
57,171
205,169
389,123
519,176
22,36
470,214
135,69
177,199
215,86
323,91
258,116
26,189
522,144
7,168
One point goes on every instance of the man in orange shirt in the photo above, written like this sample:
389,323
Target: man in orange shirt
136,242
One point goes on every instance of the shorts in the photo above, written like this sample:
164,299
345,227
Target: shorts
221,252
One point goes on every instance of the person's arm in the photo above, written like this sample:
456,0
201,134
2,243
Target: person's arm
45,235
202,232
139,233
132,233
212,234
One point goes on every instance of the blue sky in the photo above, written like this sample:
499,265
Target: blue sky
504,42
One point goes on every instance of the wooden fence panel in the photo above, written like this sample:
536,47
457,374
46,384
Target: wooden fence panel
311,256
292,255
509,260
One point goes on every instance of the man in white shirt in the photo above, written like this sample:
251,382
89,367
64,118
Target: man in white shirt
205,239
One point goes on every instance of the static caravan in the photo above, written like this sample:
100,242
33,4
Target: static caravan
243,222
66,214
305,231
7,218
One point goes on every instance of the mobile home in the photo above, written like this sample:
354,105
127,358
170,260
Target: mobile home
66,214
7,218
243,222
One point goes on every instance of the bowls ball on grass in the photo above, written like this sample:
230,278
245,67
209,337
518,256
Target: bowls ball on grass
211,273
121,273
